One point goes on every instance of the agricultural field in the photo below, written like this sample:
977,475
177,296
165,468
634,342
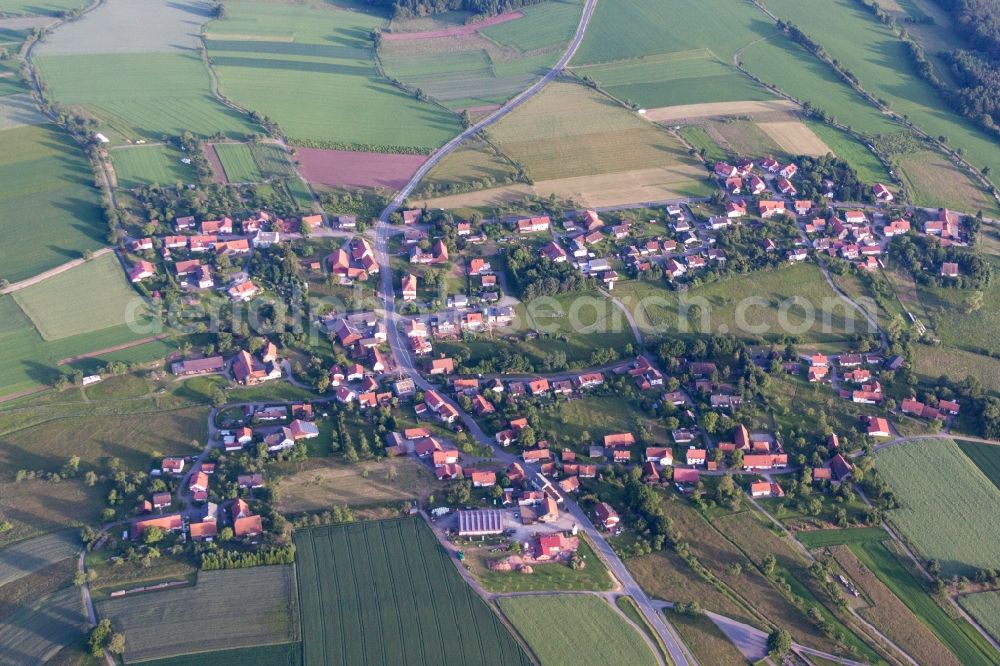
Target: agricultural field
287,654
17,107
341,168
984,607
811,311
482,64
31,555
312,70
885,610
600,634
881,62
146,165
272,160
846,147
84,299
238,162
34,632
681,77
160,85
360,605
966,535
986,457
47,181
966,644
322,483
34,7
227,609
599,137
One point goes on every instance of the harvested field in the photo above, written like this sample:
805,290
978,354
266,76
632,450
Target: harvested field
34,633
795,138
599,136
26,557
891,615
456,31
672,114
225,609
613,189
343,168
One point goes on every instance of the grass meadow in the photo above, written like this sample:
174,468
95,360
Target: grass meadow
961,638
272,160
312,70
846,147
823,538
474,161
984,607
145,165
600,635
385,591
84,299
226,609
32,555
933,181
853,35
986,457
238,162
49,207
791,293
957,328
956,523
544,577
932,362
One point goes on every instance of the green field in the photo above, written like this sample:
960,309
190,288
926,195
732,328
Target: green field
36,631
150,94
227,609
932,362
31,555
823,538
620,31
312,70
798,291
288,654
600,635
146,165
48,193
238,162
385,592
544,577
473,162
968,646
544,25
956,523
31,7
986,457
850,33
598,137
784,64
846,147
984,607
685,77
935,182
84,299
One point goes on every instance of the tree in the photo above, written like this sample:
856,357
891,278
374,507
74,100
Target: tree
152,535
779,642
226,534
768,565
99,637
218,397
117,644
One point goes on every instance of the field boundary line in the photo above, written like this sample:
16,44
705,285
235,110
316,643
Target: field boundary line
52,272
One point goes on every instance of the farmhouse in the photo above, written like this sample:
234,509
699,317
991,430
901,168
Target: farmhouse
769,209
170,523
533,224
198,366
607,516
140,271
